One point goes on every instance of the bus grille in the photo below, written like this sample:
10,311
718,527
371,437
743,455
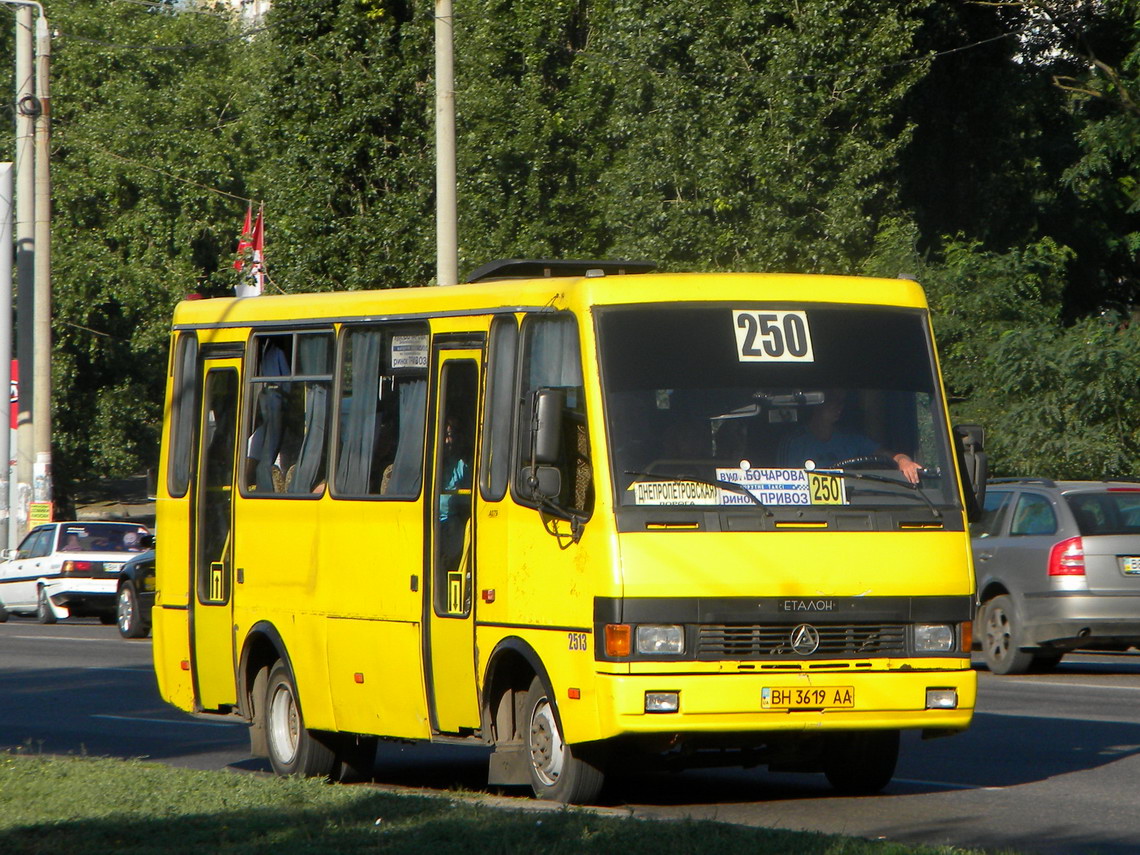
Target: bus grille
767,642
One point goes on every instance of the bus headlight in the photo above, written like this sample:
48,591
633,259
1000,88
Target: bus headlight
660,638
933,638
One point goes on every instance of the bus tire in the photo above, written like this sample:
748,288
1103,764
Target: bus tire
293,749
861,763
1001,638
557,772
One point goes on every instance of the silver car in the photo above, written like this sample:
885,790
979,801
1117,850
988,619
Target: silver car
1057,565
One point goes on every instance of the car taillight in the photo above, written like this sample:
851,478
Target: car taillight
1067,558
79,567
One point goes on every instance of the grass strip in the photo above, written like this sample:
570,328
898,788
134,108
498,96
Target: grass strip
78,805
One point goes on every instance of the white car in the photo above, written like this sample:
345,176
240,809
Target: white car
68,568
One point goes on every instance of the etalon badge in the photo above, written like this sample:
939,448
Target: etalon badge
804,639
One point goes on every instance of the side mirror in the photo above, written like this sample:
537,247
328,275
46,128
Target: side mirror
146,541
8,553
546,426
974,465
544,482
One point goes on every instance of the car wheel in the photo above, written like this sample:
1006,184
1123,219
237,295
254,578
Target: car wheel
128,613
1001,638
44,613
3,614
557,772
292,748
862,763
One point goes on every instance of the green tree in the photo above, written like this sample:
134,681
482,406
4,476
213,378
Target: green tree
702,135
338,107
144,134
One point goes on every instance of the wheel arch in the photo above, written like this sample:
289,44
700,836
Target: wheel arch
262,647
511,667
993,588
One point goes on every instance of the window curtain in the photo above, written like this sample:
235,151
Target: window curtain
358,429
408,465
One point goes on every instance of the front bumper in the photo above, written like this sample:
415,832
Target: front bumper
712,703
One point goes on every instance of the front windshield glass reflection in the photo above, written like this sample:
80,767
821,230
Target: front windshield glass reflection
792,406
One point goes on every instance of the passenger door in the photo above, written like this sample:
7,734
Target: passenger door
211,600
449,616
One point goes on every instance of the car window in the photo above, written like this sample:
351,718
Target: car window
994,512
36,545
100,537
1111,512
1033,515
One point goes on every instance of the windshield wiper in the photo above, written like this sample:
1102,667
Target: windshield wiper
708,482
916,491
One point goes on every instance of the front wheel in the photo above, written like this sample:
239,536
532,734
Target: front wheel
44,612
859,764
1001,638
128,613
557,772
292,749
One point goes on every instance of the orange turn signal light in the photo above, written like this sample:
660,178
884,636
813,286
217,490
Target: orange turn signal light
618,637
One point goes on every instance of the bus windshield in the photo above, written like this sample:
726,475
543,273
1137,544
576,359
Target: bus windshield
774,407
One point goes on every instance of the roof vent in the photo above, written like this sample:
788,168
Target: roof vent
534,268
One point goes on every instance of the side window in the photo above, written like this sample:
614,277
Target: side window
1033,515
993,514
498,409
36,545
551,359
290,389
382,412
183,414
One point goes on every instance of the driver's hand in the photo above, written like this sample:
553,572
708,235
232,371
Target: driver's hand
910,469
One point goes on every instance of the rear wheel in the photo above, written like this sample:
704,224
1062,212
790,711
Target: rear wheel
292,748
557,772
859,764
128,613
44,613
1001,638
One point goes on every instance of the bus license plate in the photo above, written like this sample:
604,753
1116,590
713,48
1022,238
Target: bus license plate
1130,565
809,698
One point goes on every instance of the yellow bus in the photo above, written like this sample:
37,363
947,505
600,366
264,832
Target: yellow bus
589,516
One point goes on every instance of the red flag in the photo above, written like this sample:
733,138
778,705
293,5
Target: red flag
245,242
257,242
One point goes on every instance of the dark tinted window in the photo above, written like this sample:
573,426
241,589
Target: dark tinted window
1110,512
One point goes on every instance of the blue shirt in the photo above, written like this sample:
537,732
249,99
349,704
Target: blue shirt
825,453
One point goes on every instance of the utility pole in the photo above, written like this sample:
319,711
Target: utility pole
41,380
6,211
27,110
446,229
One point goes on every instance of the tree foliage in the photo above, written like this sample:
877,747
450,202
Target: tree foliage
989,149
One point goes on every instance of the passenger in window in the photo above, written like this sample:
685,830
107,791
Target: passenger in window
825,443
265,442
454,506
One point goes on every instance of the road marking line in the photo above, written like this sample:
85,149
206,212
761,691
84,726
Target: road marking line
169,721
